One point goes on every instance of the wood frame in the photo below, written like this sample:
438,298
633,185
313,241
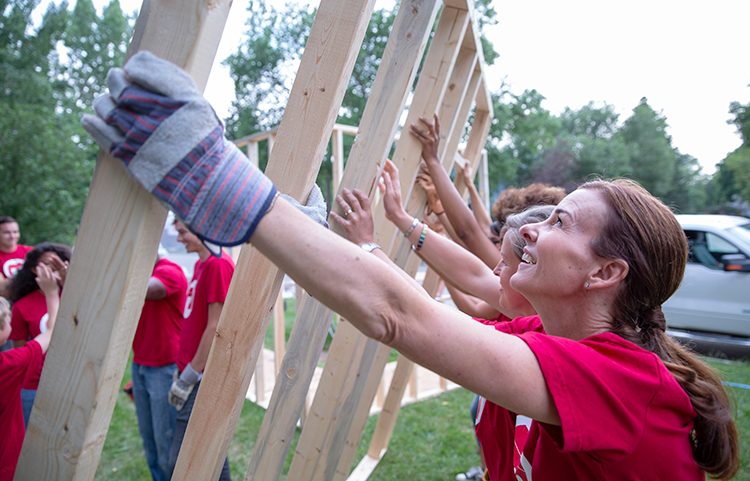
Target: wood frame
107,281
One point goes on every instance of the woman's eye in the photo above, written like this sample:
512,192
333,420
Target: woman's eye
558,221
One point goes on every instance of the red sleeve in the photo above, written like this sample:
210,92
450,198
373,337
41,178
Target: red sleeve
520,325
19,365
171,276
218,275
600,381
20,328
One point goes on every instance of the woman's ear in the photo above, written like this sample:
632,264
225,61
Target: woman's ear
609,273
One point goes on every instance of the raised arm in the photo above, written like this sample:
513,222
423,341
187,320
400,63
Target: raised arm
47,281
451,261
358,285
461,218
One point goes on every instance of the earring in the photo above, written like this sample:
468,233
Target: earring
586,285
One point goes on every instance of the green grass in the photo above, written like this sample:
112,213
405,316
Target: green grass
433,439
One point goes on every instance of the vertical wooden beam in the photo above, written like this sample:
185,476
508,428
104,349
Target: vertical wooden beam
279,332
337,141
314,101
252,153
377,129
318,463
111,265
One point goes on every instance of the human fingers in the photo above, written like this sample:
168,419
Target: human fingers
437,124
345,207
364,201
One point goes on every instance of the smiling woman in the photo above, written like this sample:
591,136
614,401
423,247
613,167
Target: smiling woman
610,396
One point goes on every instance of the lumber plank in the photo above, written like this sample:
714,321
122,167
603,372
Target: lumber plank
427,96
377,129
279,332
107,280
299,147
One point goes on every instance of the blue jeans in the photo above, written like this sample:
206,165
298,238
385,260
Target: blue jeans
156,417
183,416
27,402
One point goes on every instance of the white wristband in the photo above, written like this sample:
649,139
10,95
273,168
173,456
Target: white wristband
413,226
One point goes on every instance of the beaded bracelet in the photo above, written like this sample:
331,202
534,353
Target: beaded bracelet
421,238
411,229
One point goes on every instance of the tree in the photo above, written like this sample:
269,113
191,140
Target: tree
652,158
46,159
519,136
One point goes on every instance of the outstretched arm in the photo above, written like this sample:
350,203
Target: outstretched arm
461,218
381,304
451,261
358,285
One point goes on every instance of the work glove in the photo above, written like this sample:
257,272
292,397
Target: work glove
182,385
156,121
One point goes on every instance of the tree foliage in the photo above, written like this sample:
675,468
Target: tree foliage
49,73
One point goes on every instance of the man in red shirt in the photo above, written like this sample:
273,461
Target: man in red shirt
12,253
205,300
155,348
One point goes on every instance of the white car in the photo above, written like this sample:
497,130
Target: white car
714,297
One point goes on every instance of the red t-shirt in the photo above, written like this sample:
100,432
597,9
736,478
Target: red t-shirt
28,320
210,284
10,262
157,338
623,414
16,367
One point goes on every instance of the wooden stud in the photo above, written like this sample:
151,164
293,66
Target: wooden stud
302,139
106,283
379,124
279,332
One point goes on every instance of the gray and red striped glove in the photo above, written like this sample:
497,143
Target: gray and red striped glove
155,120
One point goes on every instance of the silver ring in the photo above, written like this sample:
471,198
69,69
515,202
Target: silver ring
346,214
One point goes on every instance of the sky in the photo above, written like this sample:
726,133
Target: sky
688,58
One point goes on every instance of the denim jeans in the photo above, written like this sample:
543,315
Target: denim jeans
183,416
156,417
27,402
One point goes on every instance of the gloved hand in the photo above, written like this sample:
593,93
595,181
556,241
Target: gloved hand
182,386
315,208
170,140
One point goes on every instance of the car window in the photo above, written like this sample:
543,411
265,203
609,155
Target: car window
700,252
741,231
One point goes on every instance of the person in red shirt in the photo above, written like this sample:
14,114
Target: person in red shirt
155,348
29,318
596,272
17,367
12,253
205,300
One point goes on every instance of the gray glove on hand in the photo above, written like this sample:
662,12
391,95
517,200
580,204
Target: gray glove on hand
315,208
156,121
182,386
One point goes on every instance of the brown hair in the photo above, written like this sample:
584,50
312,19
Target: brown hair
642,231
4,312
513,200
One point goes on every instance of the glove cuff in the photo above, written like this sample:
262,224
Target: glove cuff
189,375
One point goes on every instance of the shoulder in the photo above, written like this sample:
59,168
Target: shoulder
31,299
167,269
219,264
